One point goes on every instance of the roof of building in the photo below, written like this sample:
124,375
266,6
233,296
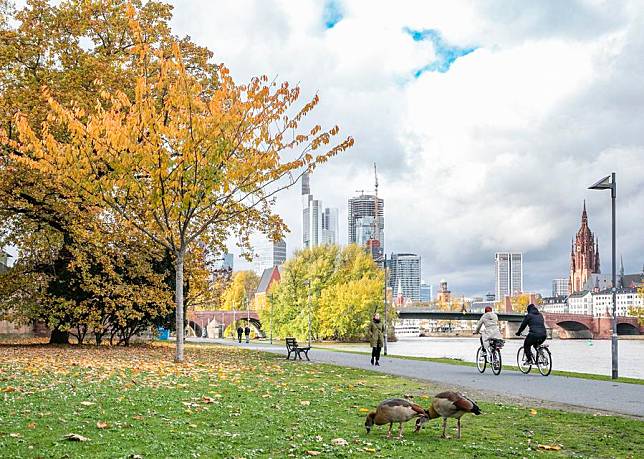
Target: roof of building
633,280
609,291
267,275
555,299
579,294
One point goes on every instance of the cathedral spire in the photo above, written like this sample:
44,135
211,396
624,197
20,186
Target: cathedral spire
584,215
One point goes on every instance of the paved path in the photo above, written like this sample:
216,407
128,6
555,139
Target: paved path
620,398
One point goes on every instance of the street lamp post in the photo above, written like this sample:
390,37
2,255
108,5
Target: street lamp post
308,284
270,299
385,301
609,183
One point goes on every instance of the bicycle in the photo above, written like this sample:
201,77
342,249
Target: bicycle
493,357
543,363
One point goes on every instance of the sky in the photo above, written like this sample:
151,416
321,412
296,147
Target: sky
488,120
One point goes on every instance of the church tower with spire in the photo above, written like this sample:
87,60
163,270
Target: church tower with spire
584,256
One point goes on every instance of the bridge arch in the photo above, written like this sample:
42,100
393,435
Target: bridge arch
574,329
626,328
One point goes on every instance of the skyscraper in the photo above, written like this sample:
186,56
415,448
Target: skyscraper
319,225
367,223
425,292
330,232
584,256
269,254
560,287
404,275
509,274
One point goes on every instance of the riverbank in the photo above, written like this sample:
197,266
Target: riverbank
588,357
230,402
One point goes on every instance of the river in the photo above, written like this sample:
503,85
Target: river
583,356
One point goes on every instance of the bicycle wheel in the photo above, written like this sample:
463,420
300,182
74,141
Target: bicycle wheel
523,367
496,362
544,361
481,360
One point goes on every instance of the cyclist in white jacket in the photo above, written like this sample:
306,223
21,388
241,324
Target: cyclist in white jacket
490,322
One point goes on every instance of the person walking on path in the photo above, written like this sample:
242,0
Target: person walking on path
240,332
537,331
490,323
247,333
376,338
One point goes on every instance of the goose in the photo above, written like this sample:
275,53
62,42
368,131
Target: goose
394,410
449,405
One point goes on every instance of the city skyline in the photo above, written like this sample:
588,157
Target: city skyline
488,122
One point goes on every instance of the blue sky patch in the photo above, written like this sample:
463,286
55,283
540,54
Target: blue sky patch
445,53
332,13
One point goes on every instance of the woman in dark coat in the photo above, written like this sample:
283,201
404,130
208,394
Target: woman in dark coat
376,338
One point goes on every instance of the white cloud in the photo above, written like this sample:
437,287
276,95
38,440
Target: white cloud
494,154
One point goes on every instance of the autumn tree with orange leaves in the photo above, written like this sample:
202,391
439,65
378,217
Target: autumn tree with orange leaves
184,159
77,271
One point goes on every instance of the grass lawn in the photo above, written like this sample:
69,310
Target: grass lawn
227,402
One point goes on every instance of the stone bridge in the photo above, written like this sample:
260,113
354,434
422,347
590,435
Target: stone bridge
212,324
587,326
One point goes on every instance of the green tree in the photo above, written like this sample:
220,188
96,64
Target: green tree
340,289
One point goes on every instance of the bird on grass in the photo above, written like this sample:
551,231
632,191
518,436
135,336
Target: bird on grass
449,405
394,410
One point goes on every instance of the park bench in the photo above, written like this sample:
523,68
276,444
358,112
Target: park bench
293,348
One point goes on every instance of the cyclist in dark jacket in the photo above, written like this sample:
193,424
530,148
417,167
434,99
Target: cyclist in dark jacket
537,330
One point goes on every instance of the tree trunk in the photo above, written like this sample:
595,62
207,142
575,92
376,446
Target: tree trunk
178,297
59,337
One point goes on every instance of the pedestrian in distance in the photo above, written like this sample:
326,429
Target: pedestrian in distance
247,333
376,338
490,324
536,331
240,332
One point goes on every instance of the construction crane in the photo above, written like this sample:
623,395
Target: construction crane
376,229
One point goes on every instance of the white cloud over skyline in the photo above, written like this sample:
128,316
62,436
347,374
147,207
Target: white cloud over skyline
493,154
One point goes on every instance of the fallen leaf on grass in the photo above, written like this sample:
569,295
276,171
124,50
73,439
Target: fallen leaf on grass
87,403
207,399
339,442
549,447
75,437
533,412
305,402
364,410
369,450
313,453
15,435
137,417
9,389
102,425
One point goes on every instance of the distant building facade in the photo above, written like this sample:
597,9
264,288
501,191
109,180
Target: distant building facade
556,304
4,261
560,287
366,223
319,224
270,254
425,292
584,256
509,274
444,294
404,275
627,298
